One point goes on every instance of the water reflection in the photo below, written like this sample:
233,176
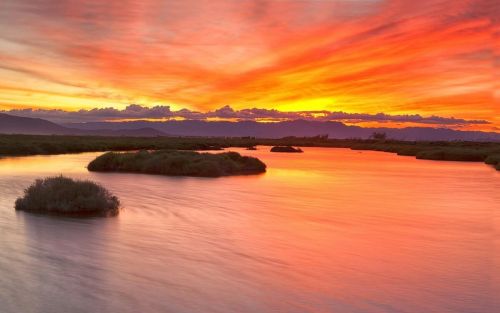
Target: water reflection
330,230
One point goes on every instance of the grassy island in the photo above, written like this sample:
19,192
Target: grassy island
178,163
286,149
68,197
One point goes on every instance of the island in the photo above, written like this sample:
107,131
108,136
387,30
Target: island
178,163
67,197
286,149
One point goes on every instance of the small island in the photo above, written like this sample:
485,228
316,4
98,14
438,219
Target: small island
286,149
178,163
67,197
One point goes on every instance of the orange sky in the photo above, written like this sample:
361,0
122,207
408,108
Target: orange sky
356,56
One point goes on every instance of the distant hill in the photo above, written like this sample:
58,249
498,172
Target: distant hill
299,128
136,132
10,124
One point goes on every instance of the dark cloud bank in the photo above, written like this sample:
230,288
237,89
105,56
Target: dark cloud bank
138,112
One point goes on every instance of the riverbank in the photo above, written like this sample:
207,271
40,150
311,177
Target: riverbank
18,145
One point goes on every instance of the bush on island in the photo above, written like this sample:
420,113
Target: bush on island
65,196
286,149
178,163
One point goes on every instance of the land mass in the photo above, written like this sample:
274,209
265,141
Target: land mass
297,128
10,124
178,163
286,149
15,145
67,197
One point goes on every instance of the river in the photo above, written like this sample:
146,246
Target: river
329,230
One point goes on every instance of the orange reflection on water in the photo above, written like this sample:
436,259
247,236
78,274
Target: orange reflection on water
329,230
46,164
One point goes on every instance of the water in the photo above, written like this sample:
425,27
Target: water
330,230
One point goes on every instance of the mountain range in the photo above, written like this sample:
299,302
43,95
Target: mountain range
10,124
299,128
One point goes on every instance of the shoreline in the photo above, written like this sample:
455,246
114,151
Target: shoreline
460,151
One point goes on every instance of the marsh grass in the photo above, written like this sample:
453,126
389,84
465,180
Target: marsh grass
438,151
286,149
452,154
493,159
178,163
65,196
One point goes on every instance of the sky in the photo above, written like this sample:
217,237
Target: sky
394,63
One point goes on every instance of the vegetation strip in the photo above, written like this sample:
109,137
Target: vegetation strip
13,145
286,149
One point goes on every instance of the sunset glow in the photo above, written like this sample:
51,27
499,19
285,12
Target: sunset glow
243,156
398,57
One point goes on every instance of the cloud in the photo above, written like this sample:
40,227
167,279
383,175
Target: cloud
138,112
132,111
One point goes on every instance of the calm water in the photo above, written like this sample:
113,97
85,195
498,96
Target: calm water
330,230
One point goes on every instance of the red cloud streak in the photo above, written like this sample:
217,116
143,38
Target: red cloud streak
400,57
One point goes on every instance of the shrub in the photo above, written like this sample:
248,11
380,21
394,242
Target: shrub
286,149
65,196
178,163
493,159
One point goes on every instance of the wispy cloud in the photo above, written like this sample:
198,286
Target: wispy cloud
399,57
